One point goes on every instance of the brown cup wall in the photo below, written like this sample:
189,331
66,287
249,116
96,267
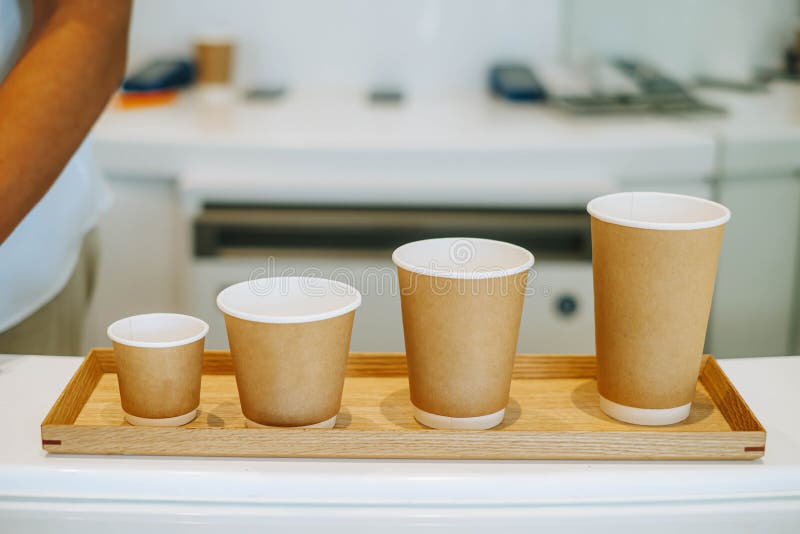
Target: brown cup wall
653,291
461,338
290,374
158,383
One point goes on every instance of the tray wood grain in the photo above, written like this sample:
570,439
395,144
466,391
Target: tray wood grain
553,414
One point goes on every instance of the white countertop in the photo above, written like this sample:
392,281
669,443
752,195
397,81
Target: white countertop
457,147
346,120
34,481
760,132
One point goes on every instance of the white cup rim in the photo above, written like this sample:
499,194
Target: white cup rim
118,337
523,261
348,304
609,208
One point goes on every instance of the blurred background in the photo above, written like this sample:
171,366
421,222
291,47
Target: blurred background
259,136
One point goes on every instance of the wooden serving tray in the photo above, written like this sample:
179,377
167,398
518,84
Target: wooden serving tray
553,414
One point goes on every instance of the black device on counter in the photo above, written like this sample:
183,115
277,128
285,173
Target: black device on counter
386,95
161,75
515,81
261,94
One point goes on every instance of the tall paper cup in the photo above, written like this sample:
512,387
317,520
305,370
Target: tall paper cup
159,367
289,339
462,301
654,258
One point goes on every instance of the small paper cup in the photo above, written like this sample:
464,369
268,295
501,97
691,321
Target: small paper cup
654,259
462,302
214,59
159,367
289,339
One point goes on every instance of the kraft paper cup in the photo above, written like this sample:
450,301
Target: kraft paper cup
289,339
214,59
654,258
159,367
461,300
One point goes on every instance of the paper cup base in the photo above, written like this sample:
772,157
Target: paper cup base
645,416
442,422
328,423
167,421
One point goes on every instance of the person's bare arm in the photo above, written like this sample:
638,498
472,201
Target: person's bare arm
73,61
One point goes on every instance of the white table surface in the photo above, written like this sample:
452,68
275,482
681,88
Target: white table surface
759,131
759,134
440,148
40,490
460,147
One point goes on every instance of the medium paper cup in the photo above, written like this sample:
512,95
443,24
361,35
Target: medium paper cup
462,301
289,339
159,367
654,258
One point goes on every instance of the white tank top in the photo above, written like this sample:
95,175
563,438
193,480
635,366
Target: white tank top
38,258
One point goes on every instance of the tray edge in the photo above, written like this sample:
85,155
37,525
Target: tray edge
751,441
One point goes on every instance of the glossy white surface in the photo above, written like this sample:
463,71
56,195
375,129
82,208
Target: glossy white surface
760,132
84,492
335,147
346,120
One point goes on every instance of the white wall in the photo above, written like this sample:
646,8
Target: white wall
687,37
444,44
354,43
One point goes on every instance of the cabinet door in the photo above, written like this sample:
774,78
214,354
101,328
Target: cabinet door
753,312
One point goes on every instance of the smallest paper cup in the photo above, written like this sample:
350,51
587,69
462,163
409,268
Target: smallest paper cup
159,367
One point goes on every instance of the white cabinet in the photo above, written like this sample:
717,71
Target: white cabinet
557,317
755,299
140,255
145,264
